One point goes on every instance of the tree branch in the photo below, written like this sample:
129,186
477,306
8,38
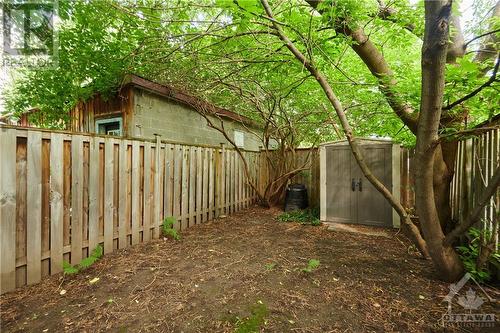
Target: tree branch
376,63
478,89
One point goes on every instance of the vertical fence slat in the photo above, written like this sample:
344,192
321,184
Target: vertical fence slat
212,167
204,190
34,211
108,194
76,198
146,233
216,183
199,178
169,181
159,167
56,203
93,193
177,186
192,185
222,188
184,187
122,202
8,210
135,193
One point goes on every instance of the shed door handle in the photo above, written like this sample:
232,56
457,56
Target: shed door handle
360,185
353,185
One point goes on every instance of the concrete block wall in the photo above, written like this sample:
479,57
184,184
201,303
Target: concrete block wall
154,114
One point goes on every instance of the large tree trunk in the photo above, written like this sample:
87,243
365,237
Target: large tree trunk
434,49
444,169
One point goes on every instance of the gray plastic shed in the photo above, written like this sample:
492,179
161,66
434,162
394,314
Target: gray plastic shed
346,196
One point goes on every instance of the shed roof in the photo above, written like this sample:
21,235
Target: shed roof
363,140
184,98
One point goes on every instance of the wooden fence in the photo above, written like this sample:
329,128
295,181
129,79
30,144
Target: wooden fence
477,159
309,177
62,194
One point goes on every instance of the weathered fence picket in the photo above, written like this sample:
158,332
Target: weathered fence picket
477,159
62,194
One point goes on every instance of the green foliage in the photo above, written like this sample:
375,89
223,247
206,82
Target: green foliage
167,228
311,266
96,254
253,323
305,216
192,45
470,252
69,269
270,266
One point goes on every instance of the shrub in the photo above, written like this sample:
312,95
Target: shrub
168,230
470,252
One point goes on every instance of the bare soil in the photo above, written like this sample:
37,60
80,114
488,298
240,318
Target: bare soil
211,279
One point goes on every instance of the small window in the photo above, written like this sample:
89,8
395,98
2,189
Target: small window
110,126
239,139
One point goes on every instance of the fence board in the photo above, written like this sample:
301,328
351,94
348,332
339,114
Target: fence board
157,196
212,165
122,202
56,203
177,186
135,193
8,209
204,191
76,198
169,181
199,177
146,233
184,188
93,194
45,239
108,194
34,212
192,186
21,209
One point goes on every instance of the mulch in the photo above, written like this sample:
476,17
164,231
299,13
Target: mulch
212,278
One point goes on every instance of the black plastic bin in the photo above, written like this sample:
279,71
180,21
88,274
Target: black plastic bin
296,197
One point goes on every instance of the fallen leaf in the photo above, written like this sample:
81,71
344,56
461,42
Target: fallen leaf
94,280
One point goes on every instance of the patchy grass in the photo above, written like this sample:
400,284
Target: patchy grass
255,321
305,216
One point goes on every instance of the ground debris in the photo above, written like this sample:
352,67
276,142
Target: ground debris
211,279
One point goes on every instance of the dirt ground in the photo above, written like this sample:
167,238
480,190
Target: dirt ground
212,278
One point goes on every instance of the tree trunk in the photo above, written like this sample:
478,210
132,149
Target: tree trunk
444,166
434,49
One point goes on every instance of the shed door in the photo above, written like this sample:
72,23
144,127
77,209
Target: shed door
371,206
340,199
361,203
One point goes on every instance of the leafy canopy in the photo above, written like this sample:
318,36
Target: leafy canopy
225,51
